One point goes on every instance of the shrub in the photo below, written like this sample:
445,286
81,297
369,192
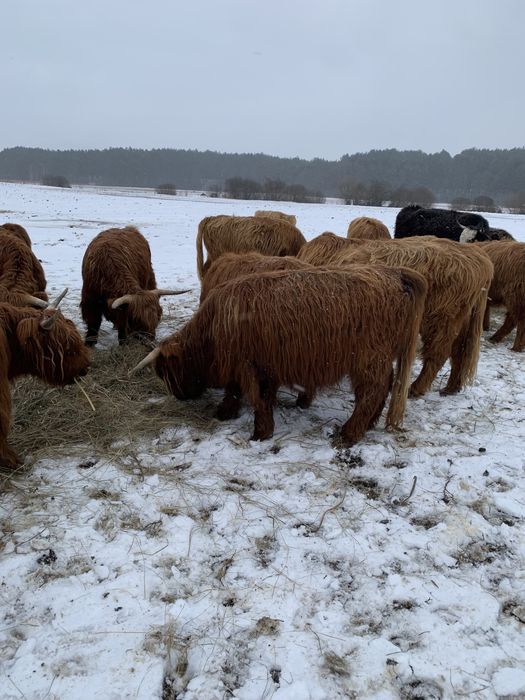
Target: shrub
166,188
55,181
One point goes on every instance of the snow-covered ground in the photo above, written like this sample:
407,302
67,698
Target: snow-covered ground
208,567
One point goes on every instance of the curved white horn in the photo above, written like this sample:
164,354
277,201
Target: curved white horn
122,300
35,301
55,303
169,292
151,357
49,321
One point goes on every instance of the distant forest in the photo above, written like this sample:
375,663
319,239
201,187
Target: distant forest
499,174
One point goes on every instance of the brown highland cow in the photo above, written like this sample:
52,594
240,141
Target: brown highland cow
232,265
22,279
18,231
290,218
368,229
245,234
304,327
119,284
41,343
507,289
458,279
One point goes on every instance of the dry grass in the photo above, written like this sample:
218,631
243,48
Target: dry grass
49,421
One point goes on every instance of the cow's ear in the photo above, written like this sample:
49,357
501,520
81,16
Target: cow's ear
27,332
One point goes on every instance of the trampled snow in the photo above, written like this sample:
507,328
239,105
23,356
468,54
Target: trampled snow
206,566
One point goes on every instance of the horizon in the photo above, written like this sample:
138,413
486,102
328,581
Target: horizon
260,153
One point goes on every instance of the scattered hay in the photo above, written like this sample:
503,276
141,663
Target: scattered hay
49,421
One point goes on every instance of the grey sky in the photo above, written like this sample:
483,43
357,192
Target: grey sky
284,77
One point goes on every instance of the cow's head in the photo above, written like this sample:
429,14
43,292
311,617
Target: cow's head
50,347
475,227
141,312
179,370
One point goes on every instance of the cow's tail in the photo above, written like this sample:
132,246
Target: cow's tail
415,288
469,339
200,252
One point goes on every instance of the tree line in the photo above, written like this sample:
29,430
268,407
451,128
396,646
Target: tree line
498,174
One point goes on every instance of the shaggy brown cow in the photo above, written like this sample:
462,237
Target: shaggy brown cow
507,289
368,229
303,327
18,231
41,343
119,283
232,265
22,279
277,215
458,279
245,234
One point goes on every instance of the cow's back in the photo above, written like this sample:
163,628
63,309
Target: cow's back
118,261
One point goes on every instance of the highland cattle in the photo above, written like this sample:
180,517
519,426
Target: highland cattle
458,279
464,227
37,342
245,234
307,328
118,283
368,229
22,278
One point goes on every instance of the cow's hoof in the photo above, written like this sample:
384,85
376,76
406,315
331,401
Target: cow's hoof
226,413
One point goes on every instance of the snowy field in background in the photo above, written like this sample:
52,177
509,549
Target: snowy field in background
203,566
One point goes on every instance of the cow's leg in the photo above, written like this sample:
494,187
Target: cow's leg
464,353
8,457
519,342
437,347
92,316
263,423
261,391
486,317
370,391
305,398
122,332
431,366
376,416
455,380
231,403
506,328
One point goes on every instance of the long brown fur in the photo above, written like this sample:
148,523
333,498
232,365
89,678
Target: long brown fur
303,327
368,229
245,234
57,356
232,265
20,271
458,279
507,288
118,262
277,215
18,231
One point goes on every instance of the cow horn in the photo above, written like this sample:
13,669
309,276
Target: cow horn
151,357
55,303
169,292
35,301
49,321
122,300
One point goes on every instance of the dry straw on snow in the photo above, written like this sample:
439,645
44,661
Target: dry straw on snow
50,422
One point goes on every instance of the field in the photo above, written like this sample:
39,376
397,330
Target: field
194,564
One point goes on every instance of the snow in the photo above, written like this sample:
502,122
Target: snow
205,566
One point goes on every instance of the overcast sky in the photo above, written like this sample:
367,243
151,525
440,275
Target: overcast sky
307,78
